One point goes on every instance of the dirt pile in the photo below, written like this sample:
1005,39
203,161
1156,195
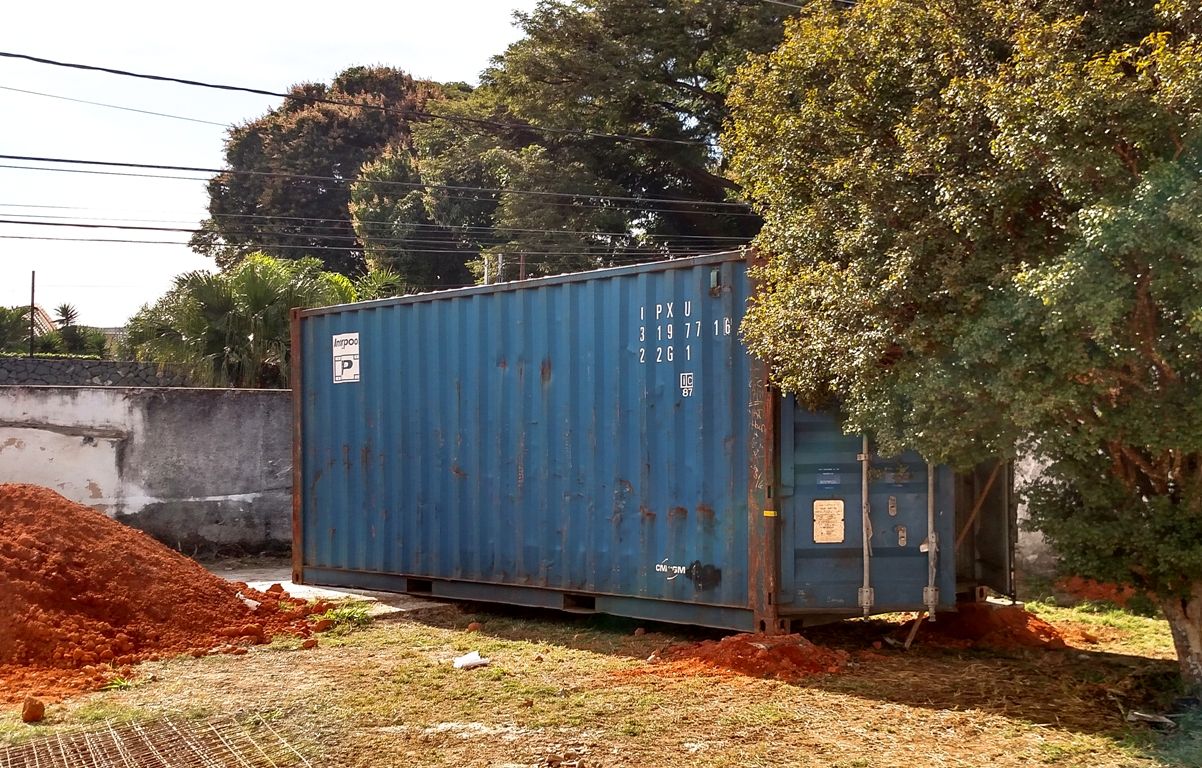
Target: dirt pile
776,657
1001,627
1087,589
83,596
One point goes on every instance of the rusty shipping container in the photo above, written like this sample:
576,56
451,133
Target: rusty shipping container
603,442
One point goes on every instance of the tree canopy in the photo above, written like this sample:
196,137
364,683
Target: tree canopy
562,159
287,189
982,231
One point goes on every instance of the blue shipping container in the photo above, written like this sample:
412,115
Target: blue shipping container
604,442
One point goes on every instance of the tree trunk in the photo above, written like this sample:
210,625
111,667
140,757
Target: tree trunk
1185,621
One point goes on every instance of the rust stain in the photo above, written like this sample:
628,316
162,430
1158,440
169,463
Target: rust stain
545,370
647,512
457,471
502,363
94,491
705,512
677,513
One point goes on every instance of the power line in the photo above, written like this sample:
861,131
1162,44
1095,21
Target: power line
379,182
463,193
314,249
394,244
465,231
338,102
114,106
408,242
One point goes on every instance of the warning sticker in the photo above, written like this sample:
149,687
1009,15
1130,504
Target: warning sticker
828,521
346,358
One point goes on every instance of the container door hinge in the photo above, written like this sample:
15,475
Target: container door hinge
867,598
930,596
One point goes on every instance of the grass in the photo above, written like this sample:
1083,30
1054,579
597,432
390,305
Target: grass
1138,634
346,618
385,694
118,683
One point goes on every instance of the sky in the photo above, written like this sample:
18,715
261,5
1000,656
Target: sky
267,44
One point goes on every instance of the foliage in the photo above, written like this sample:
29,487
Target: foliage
277,196
982,221
346,618
442,200
72,338
14,329
233,328
388,212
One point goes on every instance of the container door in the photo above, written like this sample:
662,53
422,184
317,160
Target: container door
823,551
986,528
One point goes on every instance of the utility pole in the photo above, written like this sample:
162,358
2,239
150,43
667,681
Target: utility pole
522,266
33,275
500,267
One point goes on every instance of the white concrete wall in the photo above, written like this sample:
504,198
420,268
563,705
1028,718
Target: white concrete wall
196,468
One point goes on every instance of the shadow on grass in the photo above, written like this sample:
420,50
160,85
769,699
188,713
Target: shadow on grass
1083,691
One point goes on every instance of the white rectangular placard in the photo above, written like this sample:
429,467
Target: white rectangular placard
346,358
828,521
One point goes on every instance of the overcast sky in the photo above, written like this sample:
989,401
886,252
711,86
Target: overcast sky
262,43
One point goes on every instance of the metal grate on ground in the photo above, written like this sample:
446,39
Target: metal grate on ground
164,743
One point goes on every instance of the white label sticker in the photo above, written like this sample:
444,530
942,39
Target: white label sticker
346,358
828,521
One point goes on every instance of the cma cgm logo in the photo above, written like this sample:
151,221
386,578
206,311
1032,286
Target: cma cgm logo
346,358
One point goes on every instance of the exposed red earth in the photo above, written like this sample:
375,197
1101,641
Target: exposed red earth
83,598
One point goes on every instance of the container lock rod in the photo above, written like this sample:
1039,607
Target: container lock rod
866,597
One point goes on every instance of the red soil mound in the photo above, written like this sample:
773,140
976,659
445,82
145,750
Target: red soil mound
1002,627
777,657
1088,589
82,596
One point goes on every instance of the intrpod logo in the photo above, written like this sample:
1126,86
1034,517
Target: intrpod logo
346,358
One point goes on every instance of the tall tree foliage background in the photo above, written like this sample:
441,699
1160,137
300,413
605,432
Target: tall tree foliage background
983,222
287,189
431,198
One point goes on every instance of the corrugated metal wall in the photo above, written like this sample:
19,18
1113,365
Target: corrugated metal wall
587,434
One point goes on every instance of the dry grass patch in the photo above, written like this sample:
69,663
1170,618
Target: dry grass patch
563,690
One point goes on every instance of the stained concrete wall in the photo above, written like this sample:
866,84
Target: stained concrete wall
199,469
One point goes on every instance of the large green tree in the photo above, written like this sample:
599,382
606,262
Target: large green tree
982,233
543,164
287,189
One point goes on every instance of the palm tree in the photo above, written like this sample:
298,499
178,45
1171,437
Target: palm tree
232,328
66,315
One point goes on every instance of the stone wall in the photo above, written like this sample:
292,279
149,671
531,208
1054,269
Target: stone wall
71,372
203,470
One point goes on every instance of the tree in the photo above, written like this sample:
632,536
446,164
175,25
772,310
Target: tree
71,338
388,212
14,329
288,185
232,329
982,233
528,166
